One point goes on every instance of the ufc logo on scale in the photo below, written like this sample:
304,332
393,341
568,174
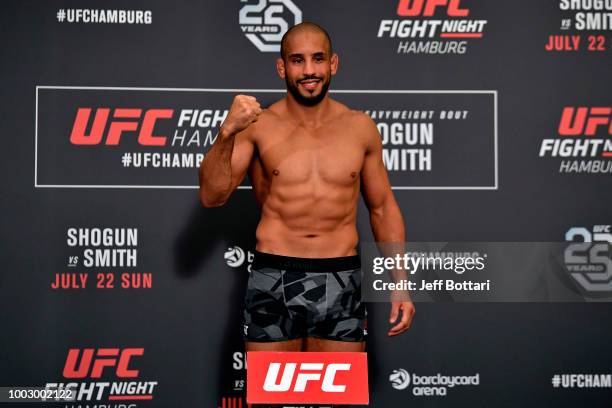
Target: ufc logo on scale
307,377
307,372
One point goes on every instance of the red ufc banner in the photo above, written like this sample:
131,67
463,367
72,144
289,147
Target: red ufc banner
307,377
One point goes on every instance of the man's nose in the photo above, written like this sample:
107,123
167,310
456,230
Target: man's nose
309,68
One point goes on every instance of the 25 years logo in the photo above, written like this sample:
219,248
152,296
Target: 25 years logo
265,22
588,257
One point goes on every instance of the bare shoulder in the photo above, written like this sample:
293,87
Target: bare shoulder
364,121
269,118
361,126
353,117
277,107
273,115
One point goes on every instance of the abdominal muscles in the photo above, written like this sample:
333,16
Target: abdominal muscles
309,220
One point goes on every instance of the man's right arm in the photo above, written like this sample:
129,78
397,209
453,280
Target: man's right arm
227,162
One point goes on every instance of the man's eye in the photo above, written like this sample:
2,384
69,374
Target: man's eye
297,61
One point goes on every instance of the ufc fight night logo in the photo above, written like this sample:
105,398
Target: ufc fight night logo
105,374
584,141
432,27
264,22
293,377
588,258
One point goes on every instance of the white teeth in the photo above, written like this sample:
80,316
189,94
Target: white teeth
310,84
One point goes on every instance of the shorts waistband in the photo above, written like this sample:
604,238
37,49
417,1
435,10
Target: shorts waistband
343,263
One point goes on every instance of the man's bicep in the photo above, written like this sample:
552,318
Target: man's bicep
375,181
244,148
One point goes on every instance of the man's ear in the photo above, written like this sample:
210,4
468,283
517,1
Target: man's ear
334,63
280,67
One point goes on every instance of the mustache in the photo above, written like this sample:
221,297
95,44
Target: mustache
307,78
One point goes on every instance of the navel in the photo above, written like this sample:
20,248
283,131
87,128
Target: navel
275,172
353,174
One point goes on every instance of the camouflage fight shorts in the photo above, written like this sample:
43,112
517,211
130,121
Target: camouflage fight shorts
289,298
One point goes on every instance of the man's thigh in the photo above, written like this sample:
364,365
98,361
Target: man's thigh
318,344
285,345
307,344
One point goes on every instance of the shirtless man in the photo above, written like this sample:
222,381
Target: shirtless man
308,156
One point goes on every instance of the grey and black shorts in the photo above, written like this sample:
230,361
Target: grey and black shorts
290,298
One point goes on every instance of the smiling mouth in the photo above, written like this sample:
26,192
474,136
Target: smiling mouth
310,84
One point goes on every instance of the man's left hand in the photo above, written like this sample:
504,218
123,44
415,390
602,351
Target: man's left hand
407,309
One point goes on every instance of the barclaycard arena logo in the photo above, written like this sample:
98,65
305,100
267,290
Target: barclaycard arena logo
264,22
430,385
588,258
584,142
235,257
400,379
422,31
94,364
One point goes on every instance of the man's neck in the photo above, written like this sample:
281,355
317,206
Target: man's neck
308,116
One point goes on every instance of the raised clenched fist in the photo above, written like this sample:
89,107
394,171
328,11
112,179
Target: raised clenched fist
244,110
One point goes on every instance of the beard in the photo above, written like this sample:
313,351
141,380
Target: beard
311,100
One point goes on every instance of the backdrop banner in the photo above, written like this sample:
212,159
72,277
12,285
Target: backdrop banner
496,123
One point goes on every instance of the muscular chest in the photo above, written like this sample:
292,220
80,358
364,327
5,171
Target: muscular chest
327,155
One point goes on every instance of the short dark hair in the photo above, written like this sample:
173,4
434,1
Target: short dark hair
301,26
